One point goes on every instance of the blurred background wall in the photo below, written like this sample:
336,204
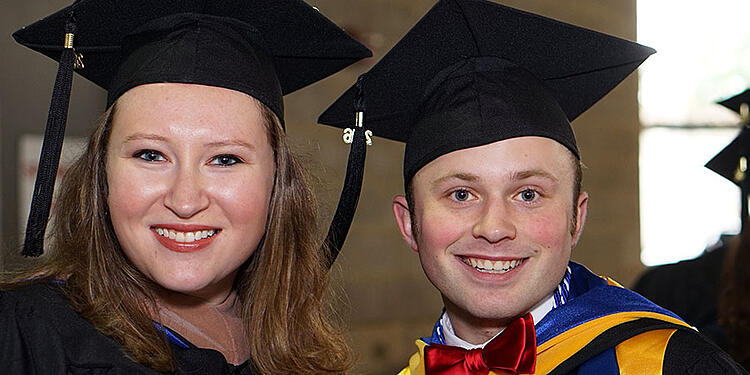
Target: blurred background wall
383,297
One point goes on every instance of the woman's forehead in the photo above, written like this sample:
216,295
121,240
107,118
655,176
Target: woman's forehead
170,93
188,110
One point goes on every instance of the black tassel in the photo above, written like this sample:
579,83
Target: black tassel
355,169
744,191
54,134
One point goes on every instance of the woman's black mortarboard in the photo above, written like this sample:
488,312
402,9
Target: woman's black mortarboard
731,162
473,72
265,48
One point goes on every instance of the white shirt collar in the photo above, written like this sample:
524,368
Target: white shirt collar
537,313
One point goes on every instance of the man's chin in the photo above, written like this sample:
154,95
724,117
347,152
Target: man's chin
499,315
491,314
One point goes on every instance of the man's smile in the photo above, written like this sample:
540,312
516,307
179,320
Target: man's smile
490,266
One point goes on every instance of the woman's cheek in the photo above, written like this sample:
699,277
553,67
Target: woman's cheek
246,197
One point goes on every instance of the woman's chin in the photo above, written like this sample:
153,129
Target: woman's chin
204,289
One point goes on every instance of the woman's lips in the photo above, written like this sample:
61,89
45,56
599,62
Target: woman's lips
184,238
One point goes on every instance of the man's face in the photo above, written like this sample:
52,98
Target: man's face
495,225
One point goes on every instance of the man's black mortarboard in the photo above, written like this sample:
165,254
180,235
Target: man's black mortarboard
265,48
731,162
473,72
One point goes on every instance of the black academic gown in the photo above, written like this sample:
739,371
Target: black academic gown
40,334
690,289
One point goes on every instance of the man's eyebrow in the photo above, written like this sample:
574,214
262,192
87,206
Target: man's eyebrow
522,175
468,177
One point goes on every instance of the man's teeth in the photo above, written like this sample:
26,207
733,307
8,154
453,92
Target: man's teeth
185,236
486,265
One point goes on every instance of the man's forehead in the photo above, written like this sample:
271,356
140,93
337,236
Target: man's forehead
515,158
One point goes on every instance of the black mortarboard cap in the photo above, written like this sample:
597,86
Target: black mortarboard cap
732,161
265,48
736,104
728,162
473,72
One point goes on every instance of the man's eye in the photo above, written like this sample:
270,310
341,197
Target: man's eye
528,195
225,160
461,195
149,155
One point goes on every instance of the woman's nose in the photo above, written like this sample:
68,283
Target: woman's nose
186,196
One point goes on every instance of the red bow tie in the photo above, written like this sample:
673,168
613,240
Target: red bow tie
514,351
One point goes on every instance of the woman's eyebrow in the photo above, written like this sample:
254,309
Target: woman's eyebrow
231,142
156,137
149,136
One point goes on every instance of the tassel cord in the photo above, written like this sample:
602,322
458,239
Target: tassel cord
54,134
355,169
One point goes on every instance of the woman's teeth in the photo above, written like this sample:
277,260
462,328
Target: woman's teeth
185,236
486,265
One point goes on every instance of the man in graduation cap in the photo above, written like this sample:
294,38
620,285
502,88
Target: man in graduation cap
483,96
710,291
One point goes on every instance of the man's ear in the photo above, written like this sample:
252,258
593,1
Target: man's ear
582,205
403,220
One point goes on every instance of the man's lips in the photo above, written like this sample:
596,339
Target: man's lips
496,265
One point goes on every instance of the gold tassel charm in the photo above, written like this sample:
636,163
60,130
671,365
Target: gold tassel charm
78,63
739,173
348,136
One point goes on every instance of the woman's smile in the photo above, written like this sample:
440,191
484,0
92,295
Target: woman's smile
185,238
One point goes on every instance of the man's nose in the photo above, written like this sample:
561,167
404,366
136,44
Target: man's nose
495,222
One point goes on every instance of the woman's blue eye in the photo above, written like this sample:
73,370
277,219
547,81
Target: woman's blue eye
149,155
461,195
225,160
528,195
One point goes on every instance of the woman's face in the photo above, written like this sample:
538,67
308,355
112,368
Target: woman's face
190,173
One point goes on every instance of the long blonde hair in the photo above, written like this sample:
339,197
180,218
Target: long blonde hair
281,286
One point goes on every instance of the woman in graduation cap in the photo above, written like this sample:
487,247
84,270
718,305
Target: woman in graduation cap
183,239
